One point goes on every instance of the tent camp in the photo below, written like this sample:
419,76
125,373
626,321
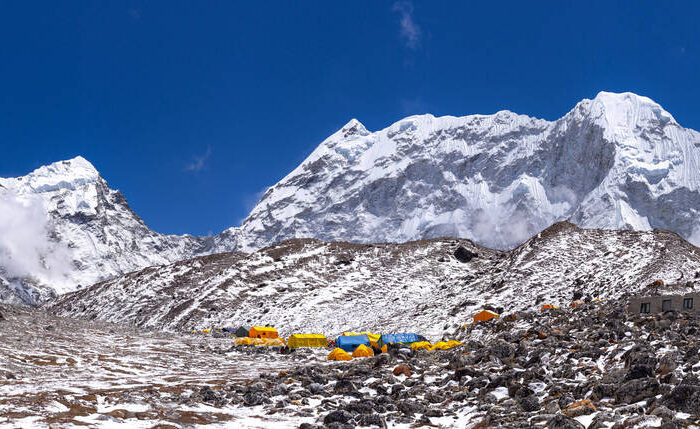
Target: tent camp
339,354
307,340
350,342
242,331
484,316
262,332
362,351
406,338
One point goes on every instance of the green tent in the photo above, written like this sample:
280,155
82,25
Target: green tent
242,331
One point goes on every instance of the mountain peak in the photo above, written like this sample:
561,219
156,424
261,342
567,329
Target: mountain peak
69,174
354,127
628,108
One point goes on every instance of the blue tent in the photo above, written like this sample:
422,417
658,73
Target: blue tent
350,342
407,338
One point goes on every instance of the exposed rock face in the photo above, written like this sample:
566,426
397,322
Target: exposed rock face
298,285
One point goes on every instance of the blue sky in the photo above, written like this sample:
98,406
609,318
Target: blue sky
191,109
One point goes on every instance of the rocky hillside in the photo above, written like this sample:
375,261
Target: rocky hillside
429,286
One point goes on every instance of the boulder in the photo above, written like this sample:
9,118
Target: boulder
464,255
402,369
637,390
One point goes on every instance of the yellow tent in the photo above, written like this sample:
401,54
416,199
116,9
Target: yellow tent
420,345
339,354
484,316
372,337
548,307
273,342
362,351
445,345
307,340
206,331
258,341
243,341
262,332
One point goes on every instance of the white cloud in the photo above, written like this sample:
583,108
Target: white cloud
26,249
694,238
410,31
199,162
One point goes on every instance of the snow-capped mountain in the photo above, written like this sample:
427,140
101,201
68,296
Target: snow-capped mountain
310,286
62,227
617,161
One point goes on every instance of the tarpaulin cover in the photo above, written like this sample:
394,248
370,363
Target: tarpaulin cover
350,342
405,338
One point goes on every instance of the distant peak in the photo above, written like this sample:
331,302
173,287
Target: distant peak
63,174
630,108
77,165
354,127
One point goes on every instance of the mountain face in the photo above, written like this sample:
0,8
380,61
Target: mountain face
63,228
618,161
306,285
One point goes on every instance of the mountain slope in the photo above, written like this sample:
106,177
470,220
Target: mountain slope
618,161
79,231
309,285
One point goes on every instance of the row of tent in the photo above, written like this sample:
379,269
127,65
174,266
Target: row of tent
347,346
253,332
363,350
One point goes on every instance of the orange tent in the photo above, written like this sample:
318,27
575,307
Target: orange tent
485,315
339,354
576,303
262,332
548,307
362,351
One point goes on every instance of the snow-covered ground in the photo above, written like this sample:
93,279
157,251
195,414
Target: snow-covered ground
310,286
69,373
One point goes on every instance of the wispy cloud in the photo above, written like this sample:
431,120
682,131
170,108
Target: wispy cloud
134,13
410,32
198,163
